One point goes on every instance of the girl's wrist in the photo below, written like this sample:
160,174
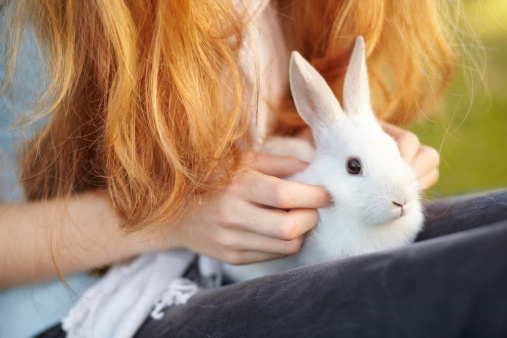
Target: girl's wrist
126,244
134,243
165,238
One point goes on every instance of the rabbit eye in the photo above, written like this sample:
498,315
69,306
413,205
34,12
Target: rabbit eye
353,166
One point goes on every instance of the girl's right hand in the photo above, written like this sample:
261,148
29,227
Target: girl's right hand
235,227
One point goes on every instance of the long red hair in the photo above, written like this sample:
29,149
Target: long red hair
140,104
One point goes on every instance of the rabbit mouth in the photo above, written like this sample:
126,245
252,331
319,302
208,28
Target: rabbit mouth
392,214
400,210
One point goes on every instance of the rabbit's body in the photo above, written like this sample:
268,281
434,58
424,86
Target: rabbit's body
360,221
374,192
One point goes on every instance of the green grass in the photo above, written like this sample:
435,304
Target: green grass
472,131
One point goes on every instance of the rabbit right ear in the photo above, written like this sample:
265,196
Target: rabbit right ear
314,100
356,91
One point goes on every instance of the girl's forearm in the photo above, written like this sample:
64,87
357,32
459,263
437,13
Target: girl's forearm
84,235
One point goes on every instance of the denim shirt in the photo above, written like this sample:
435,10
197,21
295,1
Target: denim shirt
28,310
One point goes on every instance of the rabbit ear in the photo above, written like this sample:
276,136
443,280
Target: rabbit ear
314,100
356,91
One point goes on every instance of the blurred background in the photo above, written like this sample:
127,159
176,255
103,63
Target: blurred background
470,129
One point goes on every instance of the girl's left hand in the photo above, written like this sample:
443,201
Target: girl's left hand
422,158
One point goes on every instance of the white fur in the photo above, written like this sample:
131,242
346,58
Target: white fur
363,217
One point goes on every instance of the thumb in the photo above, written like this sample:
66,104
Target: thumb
275,165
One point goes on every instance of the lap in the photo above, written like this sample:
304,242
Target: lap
452,215
442,286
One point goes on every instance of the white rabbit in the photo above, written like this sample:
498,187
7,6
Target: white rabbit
374,192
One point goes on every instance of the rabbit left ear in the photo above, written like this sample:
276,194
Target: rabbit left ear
314,100
356,90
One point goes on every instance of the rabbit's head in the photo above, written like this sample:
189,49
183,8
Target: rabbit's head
358,163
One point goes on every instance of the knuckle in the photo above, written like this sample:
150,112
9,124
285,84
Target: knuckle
280,195
227,241
234,187
292,247
433,156
410,139
223,216
287,229
234,258
315,216
436,175
233,184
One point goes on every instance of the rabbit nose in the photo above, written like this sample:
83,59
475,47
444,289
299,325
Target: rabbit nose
398,204
402,212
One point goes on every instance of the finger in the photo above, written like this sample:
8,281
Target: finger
276,165
275,192
248,257
428,180
278,224
408,143
307,134
425,161
237,240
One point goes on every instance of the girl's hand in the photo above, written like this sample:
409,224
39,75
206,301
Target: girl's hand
235,226
422,158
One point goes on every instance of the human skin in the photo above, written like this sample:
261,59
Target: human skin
88,232
422,158
232,226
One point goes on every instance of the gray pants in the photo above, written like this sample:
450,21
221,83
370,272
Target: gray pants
452,282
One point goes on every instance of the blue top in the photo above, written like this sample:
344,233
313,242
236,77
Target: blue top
28,310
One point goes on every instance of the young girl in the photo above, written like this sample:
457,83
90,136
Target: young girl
157,111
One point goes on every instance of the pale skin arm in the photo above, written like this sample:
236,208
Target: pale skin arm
231,226
88,235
